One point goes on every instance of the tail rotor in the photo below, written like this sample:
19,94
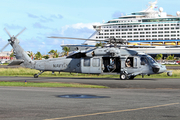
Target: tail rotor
12,38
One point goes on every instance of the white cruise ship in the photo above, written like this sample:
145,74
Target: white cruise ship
149,26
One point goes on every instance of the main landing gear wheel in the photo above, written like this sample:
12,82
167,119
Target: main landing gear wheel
123,76
35,76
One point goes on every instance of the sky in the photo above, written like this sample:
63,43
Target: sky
64,18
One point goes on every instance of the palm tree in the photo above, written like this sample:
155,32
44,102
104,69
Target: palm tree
53,53
38,56
99,44
66,50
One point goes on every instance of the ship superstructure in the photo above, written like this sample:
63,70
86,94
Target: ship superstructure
149,25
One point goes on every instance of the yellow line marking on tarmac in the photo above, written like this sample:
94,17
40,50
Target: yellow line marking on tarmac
100,113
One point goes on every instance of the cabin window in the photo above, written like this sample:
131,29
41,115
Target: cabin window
86,62
96,62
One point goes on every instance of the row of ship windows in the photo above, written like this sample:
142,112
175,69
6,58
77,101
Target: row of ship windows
141,29
139,36
130,39
160,32
147,20
129,26
123,21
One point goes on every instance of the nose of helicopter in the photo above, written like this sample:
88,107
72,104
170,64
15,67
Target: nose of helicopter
162,69
158,68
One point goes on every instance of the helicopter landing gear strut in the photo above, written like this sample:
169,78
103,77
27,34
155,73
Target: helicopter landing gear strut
36,75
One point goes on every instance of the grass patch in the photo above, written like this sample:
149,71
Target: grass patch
26,72
32,84
30,73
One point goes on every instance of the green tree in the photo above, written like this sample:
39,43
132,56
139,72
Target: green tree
38,56
12,55
53,53
99,44
170,57
46,57
66,50
159,57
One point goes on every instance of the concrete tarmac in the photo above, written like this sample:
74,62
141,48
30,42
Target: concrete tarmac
138,101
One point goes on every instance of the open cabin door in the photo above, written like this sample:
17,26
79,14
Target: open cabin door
91,65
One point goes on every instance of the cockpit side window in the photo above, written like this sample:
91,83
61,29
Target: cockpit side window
151,60
144,61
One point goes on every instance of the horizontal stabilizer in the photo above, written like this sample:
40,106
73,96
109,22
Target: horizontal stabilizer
16,62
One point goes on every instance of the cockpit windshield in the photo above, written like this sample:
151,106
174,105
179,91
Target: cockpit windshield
150,59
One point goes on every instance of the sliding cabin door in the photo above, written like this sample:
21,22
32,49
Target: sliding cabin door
91,65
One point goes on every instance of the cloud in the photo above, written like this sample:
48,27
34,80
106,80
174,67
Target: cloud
45,19
78,27
117,14
79,30
57,16
34,44
12,26
39,25
51,18
43,44
32,16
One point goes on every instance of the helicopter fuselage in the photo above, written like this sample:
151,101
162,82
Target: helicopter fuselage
103,61
107,60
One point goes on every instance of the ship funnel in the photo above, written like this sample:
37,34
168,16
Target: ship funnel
178,13
160,9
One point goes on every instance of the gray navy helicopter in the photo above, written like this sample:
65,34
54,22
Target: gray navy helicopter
107,60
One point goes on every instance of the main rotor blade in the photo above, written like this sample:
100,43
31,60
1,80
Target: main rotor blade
76,38
5,46
20,32
7,32
107,40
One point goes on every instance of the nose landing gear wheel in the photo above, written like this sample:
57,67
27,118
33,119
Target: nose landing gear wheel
123,76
